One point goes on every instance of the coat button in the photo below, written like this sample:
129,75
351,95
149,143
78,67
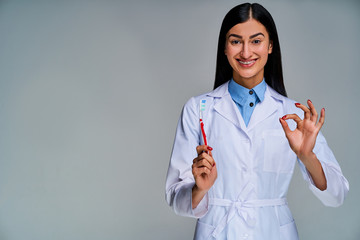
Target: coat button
251,104
251,92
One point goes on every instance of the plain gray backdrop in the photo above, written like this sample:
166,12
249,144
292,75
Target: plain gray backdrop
91,92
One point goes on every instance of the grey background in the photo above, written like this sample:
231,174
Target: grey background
90,95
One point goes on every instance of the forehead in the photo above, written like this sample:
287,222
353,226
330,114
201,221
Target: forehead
248,28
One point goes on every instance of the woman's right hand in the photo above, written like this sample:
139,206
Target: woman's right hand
205,173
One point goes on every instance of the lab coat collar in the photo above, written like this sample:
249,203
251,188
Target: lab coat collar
220,91
265,108
223,90
226,107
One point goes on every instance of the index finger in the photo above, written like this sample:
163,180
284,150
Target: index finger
305,109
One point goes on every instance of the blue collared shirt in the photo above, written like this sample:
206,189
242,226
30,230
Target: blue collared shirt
246,99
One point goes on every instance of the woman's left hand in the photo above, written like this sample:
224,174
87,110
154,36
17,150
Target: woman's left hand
302,139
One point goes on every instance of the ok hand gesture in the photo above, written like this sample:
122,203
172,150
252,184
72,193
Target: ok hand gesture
302,139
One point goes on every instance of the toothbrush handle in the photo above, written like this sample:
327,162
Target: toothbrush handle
203,132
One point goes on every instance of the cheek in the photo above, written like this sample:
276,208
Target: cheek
230,60
260,48
263,51
231,55
231,50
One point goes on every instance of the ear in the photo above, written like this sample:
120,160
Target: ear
270,47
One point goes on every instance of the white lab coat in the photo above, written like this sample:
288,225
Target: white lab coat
255,165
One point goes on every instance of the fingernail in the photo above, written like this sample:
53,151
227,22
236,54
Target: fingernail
309,100
213,164
283,118
297,104
209,148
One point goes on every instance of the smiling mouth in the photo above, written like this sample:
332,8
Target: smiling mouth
246,63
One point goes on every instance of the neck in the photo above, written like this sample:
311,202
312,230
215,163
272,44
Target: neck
248,82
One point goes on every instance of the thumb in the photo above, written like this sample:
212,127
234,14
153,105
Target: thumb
285,126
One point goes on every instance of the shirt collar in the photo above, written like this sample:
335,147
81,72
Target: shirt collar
223,91
240,93
260,90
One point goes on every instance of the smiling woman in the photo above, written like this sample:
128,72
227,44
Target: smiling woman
247,48
237,187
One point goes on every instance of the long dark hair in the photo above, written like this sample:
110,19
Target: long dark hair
273,68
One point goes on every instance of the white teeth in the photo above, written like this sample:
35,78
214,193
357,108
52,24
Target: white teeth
247,63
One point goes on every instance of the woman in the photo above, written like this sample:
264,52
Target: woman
237,187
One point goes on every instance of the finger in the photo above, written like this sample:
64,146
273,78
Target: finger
314,114
198,158
293,116
203,163
305,109
199,149
210,153
285,126
207,157
199,171
322,118
203,148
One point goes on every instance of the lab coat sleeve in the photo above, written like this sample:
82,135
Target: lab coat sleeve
179,180
337,185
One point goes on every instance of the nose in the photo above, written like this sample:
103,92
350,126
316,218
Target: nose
245,51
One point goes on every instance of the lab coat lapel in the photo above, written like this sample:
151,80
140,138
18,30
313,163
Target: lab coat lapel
266,108
227,108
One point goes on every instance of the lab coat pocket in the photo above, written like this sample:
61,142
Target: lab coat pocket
289,231
278,156
203,231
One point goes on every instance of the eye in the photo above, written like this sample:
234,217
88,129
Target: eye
256,41
234,42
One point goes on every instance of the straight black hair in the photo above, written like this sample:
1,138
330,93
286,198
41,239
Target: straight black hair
273,68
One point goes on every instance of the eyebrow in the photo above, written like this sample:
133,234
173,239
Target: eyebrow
252,36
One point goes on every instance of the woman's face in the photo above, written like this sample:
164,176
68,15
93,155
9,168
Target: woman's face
247,47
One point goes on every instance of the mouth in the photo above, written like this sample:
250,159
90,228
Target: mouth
246,64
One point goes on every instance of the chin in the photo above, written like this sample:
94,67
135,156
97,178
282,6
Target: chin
247,75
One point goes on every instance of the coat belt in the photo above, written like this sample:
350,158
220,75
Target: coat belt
242,208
